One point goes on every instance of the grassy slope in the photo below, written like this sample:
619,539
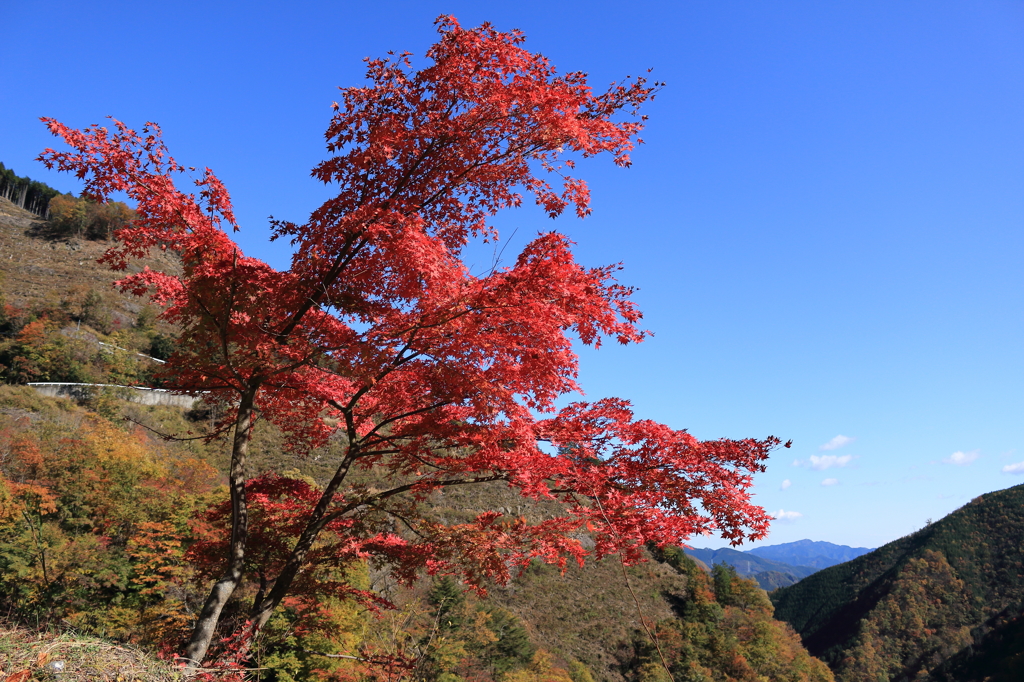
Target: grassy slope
39,268
73,657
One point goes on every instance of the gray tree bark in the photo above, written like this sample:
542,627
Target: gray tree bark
206,626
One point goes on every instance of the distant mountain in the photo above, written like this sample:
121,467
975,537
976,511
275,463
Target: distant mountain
809,553
769,574
777,566
942,604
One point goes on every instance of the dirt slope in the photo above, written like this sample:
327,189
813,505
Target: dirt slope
37,266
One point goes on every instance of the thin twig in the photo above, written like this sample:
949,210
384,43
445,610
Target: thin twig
625,578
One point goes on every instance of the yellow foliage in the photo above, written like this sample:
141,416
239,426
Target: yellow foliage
541,669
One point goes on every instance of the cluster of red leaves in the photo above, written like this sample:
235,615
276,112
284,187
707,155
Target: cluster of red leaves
380,331
278,507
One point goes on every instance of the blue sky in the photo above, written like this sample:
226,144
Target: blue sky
826,224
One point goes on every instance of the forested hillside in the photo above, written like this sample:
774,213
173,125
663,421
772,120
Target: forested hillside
109,529
61,320
25,193
942,604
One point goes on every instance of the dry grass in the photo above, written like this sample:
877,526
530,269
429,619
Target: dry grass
37,267
28,655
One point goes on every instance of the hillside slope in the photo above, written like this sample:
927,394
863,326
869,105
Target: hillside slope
902,610
995,655
39,267
121,508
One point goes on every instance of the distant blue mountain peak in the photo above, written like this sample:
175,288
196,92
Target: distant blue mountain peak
775,566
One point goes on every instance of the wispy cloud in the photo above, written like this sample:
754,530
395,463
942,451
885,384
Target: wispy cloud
785,484
837,442
961,458
822,462
1017,468
830,481
783,515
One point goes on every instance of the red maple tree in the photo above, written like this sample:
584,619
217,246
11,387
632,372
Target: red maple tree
379,331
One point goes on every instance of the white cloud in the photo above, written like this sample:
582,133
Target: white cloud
837,442
830,481
960,458
783,515
1017,468
785,484
829,461
822,462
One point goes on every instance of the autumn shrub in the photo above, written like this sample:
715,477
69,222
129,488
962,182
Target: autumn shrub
80,217
91,525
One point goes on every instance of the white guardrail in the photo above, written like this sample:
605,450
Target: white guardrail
136,394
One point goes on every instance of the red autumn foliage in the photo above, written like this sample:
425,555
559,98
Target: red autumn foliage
378,333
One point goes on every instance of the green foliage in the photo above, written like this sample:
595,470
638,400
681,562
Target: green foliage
446,595
302,641
918,624
579,672
29,194
162,346
91,521
725,631
996,653
722,576
512,646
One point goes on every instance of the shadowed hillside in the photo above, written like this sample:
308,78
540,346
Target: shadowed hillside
899,612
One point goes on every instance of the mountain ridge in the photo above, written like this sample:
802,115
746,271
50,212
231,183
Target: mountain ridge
775,566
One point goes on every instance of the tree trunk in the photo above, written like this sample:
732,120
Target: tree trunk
222,590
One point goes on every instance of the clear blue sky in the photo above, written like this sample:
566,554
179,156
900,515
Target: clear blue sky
826,223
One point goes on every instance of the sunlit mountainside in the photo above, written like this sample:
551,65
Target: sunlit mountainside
98,516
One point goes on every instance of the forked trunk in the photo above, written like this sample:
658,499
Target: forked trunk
263,607
206,626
